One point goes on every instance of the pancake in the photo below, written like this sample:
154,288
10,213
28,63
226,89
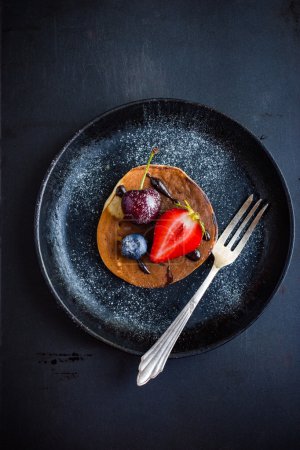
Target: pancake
112,228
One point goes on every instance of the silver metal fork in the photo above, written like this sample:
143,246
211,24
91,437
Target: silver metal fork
153,362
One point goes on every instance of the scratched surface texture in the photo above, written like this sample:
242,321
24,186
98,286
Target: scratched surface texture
63,63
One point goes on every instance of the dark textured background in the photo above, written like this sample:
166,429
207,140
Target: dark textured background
63,63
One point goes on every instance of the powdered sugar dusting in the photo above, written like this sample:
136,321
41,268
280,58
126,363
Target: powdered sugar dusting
141,205
82,190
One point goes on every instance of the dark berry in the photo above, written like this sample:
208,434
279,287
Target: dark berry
134,246
141,206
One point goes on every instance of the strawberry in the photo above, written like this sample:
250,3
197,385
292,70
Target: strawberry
176,233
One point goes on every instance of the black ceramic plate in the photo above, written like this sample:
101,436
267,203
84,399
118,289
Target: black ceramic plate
227,161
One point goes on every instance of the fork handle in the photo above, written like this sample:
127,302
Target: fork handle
153,362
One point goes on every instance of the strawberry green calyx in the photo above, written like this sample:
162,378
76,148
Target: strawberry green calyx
202,226
154,151
193,215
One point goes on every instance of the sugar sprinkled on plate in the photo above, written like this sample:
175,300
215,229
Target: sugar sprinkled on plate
98,167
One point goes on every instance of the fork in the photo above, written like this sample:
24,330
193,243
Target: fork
153,362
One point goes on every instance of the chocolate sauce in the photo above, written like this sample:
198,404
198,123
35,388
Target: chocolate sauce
195,255
143,267
160,186
206,236
120,191
169,274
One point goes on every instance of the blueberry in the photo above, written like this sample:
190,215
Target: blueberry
134,246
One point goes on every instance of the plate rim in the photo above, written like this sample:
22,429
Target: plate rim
52,166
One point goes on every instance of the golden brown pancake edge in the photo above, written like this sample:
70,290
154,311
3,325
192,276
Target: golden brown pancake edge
111,230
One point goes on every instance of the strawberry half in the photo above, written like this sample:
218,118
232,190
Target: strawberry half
176,233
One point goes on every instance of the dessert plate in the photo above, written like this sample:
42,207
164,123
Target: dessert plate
226,160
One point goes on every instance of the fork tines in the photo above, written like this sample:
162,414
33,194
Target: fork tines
237,218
